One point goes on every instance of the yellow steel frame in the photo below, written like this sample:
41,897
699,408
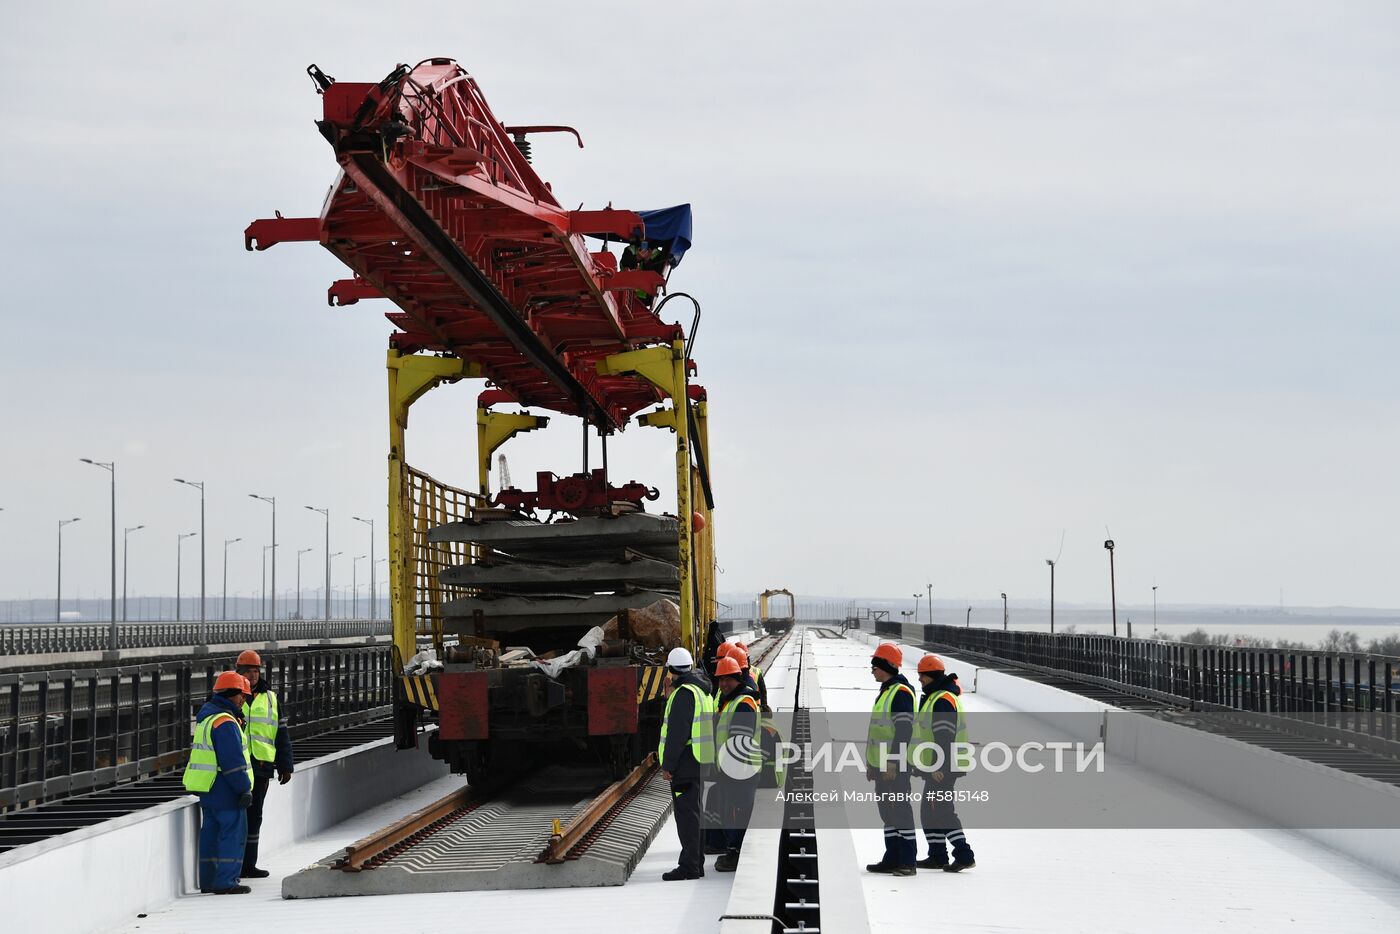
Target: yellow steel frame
494,429
665,368
409,378
763,602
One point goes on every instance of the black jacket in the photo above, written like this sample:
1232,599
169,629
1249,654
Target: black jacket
676,756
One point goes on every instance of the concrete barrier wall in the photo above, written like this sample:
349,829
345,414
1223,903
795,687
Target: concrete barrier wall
107,874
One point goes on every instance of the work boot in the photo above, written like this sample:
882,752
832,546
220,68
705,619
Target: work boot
728,862
958,865
905,871
255,873
234,890
932,862
679,875
880,867
714,849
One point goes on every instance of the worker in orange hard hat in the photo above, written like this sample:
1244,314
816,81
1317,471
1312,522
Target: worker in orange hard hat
221,773
271,745
891,728
754,673
938,726
738,756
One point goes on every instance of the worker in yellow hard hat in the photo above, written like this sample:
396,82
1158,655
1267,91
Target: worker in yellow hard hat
270,743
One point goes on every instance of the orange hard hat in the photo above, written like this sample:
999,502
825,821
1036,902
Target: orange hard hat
724,649
740,656
931,663
230,680
727,667
741,645
249,657
890,653
697,522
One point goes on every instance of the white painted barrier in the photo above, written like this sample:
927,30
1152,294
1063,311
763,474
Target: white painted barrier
107,874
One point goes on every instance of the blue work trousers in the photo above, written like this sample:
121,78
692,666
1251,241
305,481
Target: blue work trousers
223,833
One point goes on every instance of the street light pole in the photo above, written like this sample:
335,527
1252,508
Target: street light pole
1112,585
930,604
374,576
355,585
1005,616
179,554
58,597
1052,595
969,617
326,514
263,603
299,554
223,609
1154,611
126,546
111,468
203,619
272,501
917,597
373,592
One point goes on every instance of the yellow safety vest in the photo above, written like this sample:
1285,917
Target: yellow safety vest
748,760
262,726
881,734
923,730
203,766
702,727
771,759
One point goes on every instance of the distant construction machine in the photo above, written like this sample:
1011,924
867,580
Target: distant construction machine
767,620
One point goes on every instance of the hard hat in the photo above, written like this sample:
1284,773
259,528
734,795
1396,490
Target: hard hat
724,649
247,685
230,681
697,522
740,656
931,663
890,653
679,658
249,657
728,667
740,645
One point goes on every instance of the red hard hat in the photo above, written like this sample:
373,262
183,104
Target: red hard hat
697,522
739,655
890,653
931,663
249,657
230,680
724,649
727,667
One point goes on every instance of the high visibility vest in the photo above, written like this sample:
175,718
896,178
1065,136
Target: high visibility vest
771,738
203,766
881,734
262,726
702,727
923,730
726,720
755,672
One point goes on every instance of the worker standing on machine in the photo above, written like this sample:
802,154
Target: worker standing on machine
940,724
221,773
891,729
687,745
270,743
738,754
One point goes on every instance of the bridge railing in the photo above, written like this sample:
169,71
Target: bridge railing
32,639
73,731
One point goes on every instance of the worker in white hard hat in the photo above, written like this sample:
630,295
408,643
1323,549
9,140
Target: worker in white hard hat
687,746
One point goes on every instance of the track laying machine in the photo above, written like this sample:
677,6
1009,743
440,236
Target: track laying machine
529,621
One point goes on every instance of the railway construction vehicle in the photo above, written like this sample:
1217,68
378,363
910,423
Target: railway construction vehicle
528,622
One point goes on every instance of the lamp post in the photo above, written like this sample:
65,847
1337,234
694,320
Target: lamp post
126,546
373,593
917,597
299,554
930,604
355,585
58,596
223,608
374,576
969,617
1112,585
111,468
203,621
1052,595
262,603
1154,611
1005,616
179,554
272,501
326,514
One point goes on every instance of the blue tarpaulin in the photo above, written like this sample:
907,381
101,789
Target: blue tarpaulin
670,226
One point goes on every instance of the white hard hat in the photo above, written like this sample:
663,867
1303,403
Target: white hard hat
679,658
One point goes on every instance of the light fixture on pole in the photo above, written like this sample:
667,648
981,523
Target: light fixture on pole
1052,595
111,468
203,618
1112,585
179,554
373,593
326,514
223,608
272,501
58,595
1005,616
126,546
299,554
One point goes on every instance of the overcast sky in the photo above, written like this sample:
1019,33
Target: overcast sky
975,275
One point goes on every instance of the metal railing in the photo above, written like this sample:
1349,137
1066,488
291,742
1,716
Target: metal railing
96,637
67,732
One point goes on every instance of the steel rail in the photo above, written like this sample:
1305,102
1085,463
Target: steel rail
565,839
408,830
